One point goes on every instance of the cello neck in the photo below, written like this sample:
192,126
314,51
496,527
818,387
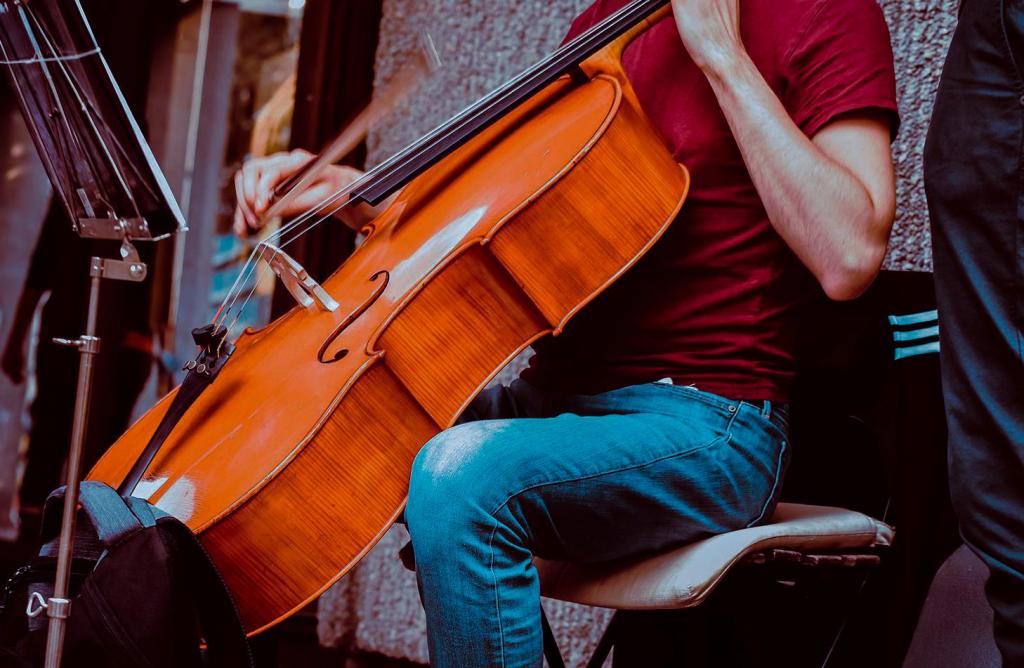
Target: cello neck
412,161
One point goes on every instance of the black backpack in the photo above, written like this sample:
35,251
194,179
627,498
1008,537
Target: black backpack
144,593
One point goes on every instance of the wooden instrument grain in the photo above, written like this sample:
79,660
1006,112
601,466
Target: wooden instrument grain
295,462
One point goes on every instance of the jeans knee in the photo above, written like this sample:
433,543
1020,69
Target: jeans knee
450,490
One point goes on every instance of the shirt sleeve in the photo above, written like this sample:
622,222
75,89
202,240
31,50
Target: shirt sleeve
840,63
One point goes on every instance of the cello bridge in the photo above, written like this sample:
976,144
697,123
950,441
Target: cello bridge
295,278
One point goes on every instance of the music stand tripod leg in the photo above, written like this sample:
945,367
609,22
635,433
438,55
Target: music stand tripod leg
58,608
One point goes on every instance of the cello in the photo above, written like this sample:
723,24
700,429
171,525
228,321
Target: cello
288,452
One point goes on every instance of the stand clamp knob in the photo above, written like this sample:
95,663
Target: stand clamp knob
58,608
90,345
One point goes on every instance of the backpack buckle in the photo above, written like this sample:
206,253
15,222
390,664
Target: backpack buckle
36,605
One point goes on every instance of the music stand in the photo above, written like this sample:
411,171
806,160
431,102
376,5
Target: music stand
109,183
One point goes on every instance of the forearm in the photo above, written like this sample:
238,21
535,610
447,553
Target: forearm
818,206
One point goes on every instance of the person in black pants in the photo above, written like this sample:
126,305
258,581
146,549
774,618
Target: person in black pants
974,176
60,266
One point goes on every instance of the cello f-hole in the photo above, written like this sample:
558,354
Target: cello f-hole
325,354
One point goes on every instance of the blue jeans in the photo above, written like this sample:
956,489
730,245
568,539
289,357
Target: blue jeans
577,478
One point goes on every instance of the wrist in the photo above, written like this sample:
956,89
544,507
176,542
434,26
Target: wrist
724,64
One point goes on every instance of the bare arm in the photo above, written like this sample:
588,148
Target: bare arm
832,199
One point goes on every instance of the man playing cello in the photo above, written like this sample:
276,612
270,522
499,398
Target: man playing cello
659,416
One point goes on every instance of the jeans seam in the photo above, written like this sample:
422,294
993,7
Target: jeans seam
621,469
497,589
775,485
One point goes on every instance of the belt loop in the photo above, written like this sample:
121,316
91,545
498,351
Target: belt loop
766,410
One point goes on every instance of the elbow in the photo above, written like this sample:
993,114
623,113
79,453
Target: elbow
854,273
855,261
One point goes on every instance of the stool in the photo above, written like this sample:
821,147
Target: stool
684,577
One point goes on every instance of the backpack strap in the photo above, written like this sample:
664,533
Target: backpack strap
111,519
227,645
146,514
109,513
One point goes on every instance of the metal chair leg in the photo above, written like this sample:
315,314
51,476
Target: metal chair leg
604,647
551,651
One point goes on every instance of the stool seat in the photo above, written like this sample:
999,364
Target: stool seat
682,578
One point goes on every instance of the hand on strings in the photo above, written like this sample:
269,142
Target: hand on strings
256,181
710,30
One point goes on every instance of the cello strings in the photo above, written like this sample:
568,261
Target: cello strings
293,228
247,270
295,237
252,263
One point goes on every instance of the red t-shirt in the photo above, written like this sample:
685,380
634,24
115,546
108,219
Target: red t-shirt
715,303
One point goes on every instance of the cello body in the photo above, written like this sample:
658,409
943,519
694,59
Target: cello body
296,460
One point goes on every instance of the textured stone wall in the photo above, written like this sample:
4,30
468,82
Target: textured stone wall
921,30
483,43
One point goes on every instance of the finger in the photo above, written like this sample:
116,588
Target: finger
249,174
240,227
254,171
242,201
306,202
288,169
327,188
273,171
347,176
265,189
297,159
